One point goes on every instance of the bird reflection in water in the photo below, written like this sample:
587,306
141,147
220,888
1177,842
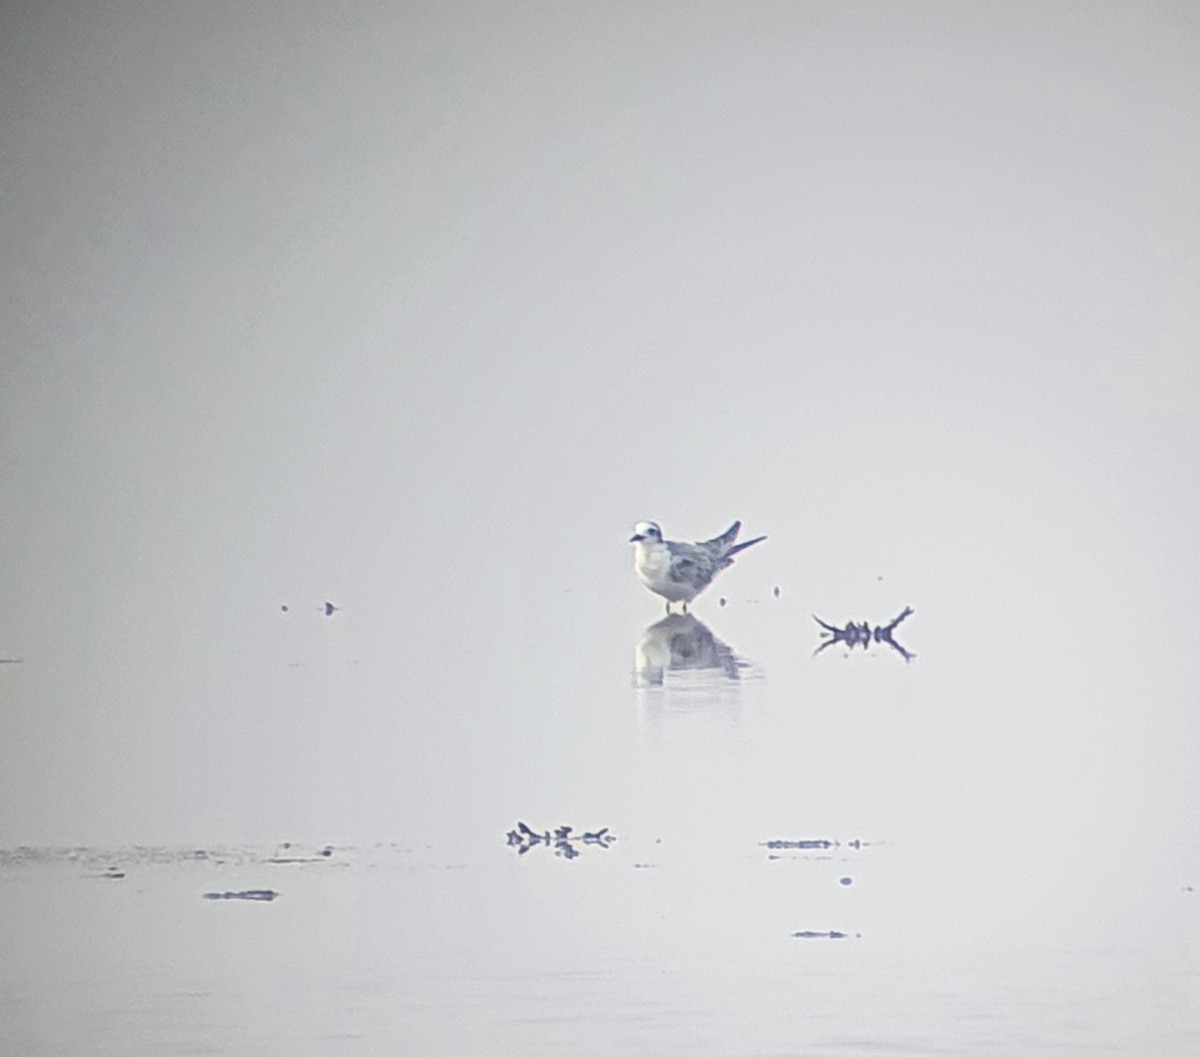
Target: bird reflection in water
680,642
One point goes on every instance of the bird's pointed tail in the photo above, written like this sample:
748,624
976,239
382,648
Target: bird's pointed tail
742,546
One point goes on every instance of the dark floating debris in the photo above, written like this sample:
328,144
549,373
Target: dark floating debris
776,591
12,660
797,844
562,840
261,895
833,934
845,880
330,609
863,634
776,844
121,863
292,854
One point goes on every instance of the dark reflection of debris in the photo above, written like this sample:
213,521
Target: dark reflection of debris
563,840
831,935
863,635
261,895
680,642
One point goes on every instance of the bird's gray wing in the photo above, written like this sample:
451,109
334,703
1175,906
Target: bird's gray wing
691,565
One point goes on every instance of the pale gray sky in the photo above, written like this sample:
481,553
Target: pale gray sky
419,307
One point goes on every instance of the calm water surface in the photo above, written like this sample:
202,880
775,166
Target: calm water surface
751,800
406,950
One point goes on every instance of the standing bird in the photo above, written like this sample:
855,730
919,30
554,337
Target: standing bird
680,571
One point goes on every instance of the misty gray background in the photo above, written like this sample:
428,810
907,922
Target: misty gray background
417,308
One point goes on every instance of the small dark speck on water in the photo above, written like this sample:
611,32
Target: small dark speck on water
845,880
283,609
776,590
723,600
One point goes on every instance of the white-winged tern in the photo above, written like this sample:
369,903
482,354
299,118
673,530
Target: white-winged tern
680,571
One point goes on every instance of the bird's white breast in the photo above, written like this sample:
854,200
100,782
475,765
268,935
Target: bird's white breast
652,563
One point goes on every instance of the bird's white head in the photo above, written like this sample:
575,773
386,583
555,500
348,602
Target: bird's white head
646,531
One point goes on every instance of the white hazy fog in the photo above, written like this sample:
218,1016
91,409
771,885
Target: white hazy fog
417,308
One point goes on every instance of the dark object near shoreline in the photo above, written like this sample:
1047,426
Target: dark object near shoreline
863,634
777,844
561,840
